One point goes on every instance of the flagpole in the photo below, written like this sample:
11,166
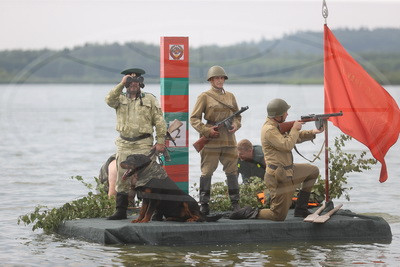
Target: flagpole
327,197
328,203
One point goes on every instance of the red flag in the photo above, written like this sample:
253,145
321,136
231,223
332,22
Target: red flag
370,114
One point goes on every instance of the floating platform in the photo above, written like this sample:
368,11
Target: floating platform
343,226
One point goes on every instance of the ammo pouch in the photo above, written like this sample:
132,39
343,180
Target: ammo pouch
281,172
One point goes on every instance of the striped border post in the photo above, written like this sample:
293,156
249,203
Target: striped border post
174,79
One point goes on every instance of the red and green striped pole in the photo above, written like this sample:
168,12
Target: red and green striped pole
174,78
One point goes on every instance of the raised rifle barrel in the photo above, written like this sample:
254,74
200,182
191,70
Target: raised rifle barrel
321,116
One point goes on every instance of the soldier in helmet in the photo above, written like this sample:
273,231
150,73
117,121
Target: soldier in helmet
281,175
138,113
217,104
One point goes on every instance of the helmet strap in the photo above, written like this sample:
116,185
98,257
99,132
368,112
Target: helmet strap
280,119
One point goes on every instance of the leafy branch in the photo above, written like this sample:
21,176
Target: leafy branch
94,205
340,165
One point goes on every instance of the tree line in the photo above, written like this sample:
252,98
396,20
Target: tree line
296,58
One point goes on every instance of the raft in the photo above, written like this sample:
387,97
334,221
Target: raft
344,226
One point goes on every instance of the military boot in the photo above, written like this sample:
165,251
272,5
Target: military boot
244,213
301,209
205,190
235,206
233,190
121,207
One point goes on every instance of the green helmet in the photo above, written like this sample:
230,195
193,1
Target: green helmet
277,107
216,71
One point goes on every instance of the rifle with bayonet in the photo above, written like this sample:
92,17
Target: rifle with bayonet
319,119
227,122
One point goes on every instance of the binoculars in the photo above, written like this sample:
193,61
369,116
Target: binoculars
137,79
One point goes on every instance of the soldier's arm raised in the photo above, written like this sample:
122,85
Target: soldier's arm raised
112,98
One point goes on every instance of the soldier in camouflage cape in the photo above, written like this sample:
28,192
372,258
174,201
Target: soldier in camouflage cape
138,113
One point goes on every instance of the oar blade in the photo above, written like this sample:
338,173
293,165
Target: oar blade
315,215
325,217
311,217
322,218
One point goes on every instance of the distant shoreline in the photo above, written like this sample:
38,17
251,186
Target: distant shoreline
293,59
155,83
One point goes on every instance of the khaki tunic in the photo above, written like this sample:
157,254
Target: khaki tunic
133,120
214,111
222,149
284,176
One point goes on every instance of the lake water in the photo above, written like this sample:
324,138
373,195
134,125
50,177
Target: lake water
49,133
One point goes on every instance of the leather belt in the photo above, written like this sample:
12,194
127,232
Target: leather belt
137,138
274,167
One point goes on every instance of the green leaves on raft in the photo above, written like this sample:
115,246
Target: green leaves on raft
94,205
340,165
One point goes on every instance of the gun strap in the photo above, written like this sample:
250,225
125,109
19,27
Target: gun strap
169,137
219,101
315,158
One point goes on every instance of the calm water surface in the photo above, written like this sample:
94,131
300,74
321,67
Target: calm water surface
49,133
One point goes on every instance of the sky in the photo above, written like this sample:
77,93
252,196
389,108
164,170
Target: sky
59,24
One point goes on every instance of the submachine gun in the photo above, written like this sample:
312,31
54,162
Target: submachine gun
319,119
227,122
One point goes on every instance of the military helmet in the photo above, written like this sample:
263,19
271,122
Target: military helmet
277,107
215,71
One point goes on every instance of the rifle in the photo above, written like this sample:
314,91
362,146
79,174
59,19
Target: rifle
199,144
319,119
173,126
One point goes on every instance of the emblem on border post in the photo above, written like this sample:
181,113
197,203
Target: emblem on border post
176,52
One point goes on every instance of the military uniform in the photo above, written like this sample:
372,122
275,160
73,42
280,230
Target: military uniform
282,176
216,105
136,118
255,167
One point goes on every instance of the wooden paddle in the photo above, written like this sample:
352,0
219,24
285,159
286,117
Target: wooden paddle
312,217
325,217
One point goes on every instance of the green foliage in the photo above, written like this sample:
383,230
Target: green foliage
340,165
248,194
93,205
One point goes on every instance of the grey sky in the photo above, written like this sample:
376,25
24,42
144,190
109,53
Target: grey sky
32,24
